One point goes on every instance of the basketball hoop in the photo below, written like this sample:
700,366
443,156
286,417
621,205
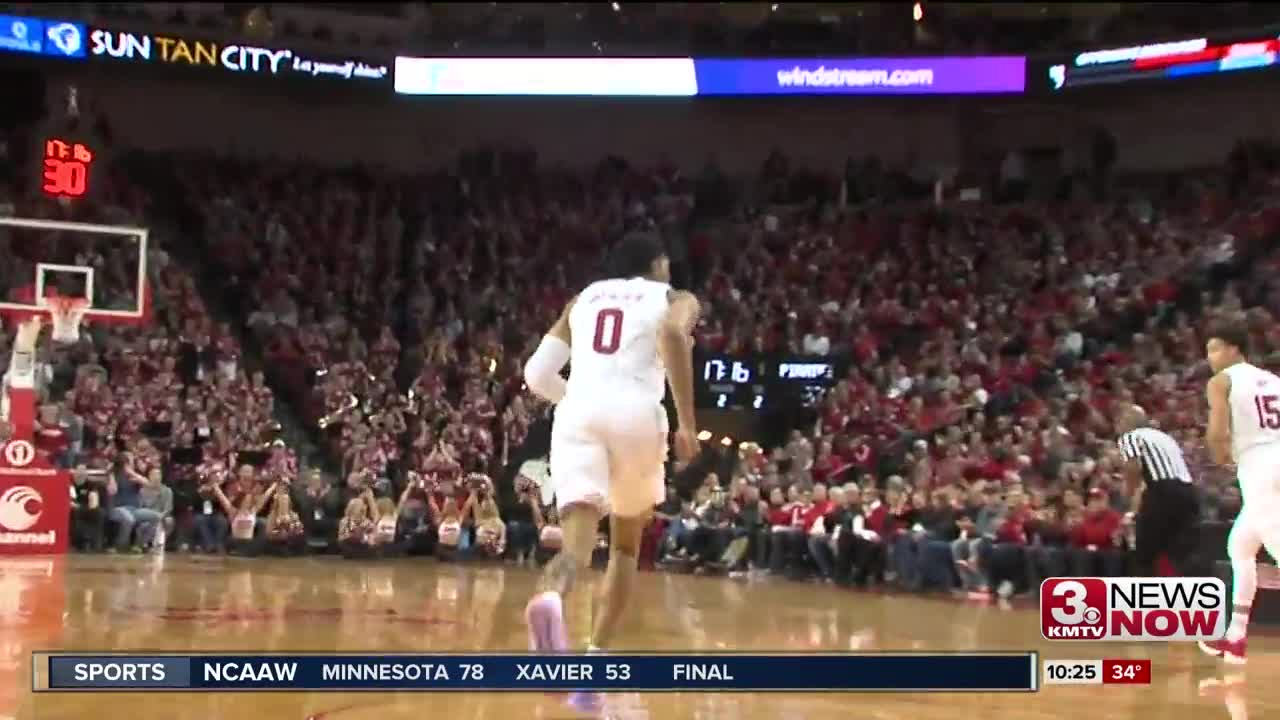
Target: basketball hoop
66,314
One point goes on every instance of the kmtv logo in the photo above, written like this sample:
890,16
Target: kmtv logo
1133,609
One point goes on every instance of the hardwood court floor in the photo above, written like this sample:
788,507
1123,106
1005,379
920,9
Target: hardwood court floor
180,603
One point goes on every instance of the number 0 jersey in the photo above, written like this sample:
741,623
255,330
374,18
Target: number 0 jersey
1255,409
613,330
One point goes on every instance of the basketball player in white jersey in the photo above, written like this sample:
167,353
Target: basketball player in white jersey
1244,426
622,338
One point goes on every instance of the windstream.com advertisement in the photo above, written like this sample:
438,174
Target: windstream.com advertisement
676,77
862,76
823,77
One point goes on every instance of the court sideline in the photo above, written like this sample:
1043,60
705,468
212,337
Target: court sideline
180,603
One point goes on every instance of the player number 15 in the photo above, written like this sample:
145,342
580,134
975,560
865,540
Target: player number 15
1268,411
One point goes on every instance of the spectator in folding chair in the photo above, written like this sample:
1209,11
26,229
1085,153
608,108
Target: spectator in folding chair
708,541
844,533
972,549
870,552
764,536
1006,566
908,534
824,535
157,498
127,510
749,520
787,527
88,517
933,547
1097,539
1046,550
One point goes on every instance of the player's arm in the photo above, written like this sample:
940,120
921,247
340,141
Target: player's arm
1132,469
542,371
538,520
223,502
675,344
20,380
261,501
1133,481
1218,436
22,364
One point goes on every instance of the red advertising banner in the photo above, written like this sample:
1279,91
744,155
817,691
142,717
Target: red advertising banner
35,502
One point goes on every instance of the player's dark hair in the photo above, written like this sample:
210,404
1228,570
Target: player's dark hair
634,255
1231,333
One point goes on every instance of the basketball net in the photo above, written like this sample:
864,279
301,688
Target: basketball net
66,313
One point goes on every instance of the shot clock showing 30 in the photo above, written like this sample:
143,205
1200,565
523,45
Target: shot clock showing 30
65,172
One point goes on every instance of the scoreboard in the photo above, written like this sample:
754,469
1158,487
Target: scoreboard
763,382
1183,58
66,166
471,672
630,672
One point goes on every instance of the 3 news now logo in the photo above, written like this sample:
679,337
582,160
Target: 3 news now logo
1134,609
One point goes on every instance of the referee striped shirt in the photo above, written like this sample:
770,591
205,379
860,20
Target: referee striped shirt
1159,454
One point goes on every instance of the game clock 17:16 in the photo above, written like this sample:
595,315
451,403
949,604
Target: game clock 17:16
725,383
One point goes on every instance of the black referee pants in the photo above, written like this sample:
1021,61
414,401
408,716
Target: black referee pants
1168,523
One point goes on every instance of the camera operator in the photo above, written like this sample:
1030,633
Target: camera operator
522,514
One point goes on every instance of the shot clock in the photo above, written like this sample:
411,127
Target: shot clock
66,166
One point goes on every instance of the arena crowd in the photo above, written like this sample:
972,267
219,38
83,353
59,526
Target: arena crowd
970,447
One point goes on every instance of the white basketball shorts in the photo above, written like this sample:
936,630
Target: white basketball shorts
1259,521
1259,474
609,451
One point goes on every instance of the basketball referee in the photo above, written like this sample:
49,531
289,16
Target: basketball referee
1168,517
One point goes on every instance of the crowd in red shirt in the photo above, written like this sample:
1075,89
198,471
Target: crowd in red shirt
988,345
1006,374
